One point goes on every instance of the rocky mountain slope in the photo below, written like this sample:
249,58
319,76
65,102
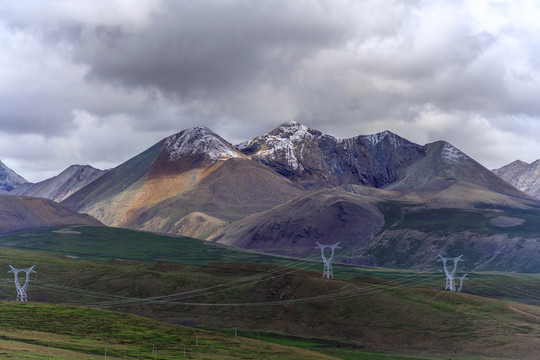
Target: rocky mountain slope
62,185
236,189
442,160
18,213
316,160
523,176
56,188
9,180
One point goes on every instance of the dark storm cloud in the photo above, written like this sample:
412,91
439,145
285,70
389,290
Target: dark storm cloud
195,48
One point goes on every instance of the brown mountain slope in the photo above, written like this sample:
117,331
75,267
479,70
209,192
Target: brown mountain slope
237,188
19,213
439,192
170,167
400,228
444,161
325,216
109,197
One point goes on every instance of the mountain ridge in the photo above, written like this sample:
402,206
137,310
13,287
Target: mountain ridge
61,186
317,160
286,189
523,176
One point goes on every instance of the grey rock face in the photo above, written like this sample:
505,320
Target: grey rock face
524,176
314,159
64,184
9,180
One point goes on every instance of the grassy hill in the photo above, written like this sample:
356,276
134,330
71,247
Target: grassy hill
363,311
105,243
42,331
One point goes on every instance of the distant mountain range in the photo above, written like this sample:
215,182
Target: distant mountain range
56,188
525,177
388,201
32,206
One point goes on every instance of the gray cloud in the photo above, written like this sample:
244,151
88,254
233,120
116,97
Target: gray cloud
209,47
101,80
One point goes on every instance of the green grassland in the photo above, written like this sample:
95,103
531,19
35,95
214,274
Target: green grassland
41,331
364,313
104,243
343,318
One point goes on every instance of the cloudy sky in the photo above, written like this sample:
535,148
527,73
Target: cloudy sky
98,81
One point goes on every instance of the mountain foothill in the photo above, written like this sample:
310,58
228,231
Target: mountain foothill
386,200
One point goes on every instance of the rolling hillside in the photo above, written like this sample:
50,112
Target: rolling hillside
370,310
40,331
19,213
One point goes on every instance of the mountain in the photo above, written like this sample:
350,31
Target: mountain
388,201
56,188
433,199
62,185
194,171
20,213
524,176
316,160
444,161
9,180
399,228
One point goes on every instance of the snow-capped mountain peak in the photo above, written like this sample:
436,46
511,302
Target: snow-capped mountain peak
286,142
374,139
293,131
198,140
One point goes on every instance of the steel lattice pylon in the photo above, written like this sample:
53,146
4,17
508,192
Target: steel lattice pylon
327,261
21,290
450,273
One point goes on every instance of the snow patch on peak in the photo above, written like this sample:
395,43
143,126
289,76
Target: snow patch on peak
292,129
287,140
451,153
199,140
374,139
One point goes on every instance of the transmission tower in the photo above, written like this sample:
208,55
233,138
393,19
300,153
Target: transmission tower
21,290
461,278
450,273
327,261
